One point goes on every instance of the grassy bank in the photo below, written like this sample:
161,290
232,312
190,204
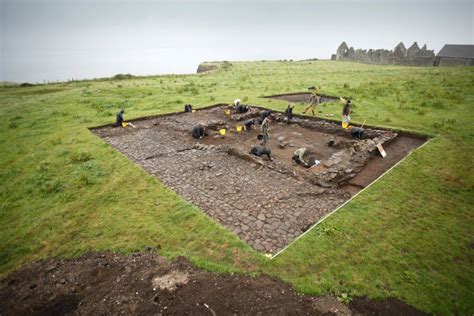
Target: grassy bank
65,192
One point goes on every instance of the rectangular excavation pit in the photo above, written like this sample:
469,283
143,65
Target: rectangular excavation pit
303,97
267,204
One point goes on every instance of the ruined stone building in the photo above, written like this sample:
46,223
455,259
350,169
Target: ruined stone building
455,55
413,56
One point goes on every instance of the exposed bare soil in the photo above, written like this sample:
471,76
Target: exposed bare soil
267,203
396,150
147,284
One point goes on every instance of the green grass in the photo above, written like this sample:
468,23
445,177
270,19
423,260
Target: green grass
410,235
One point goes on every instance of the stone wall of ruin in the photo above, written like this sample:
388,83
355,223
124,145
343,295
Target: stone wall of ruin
413,56
384,58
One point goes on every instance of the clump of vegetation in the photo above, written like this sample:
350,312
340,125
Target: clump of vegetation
122,76
344,298
190,88
85,92
326,229
26,85
13,122
44,180
226,65
88,173
436,104
81,156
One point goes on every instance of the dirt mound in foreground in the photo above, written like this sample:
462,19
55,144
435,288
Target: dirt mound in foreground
144,284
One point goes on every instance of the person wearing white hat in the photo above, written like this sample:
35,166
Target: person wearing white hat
239,107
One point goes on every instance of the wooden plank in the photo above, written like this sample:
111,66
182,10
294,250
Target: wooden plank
381,150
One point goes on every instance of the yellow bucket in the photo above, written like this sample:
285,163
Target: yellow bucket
239,128
345,125
222,131
227,112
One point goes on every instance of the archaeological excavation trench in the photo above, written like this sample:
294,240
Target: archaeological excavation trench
266,203
297,97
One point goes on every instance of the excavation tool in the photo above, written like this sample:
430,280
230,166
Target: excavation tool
125,124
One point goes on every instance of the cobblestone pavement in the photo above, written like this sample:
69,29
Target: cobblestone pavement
265,207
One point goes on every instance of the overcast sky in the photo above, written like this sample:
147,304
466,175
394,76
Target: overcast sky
58,40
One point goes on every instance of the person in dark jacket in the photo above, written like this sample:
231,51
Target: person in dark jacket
260,151
241,108
119,119
264,115
289,113
248,124
357,132
346,111
188,108
199,131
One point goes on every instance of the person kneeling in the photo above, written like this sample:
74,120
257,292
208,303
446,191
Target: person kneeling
188,108
302,157
248,124
199,131
119,119
241,109
260,151
357,132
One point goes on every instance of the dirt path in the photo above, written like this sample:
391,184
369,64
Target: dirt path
147,284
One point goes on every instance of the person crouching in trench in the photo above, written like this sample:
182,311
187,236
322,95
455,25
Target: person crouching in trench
260,151
119,119
357,132
199,131
302,157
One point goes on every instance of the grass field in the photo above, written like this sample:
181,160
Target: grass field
410,235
